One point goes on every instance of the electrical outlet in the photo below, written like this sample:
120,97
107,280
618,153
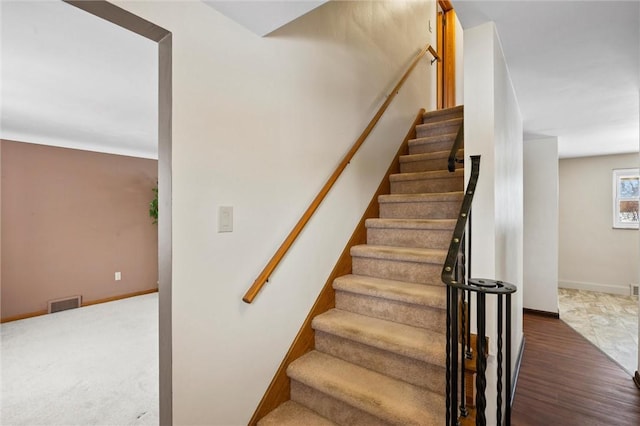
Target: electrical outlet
118,276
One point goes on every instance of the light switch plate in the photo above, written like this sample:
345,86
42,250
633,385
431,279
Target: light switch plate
225,219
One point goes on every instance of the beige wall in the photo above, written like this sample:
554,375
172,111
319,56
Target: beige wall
259,123
70,220
540,283
593,255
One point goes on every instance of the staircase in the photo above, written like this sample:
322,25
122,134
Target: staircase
379,356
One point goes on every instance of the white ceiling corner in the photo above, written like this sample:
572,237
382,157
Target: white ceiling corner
575,66
264,17
90,84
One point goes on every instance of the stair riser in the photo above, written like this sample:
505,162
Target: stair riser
332,408
419,373
420,210
417,238
293,414
422,273
424,186
423,131
405,313
428,147
424,165
442,117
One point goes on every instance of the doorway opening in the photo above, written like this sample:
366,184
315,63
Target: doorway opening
131,22
162,39
446,36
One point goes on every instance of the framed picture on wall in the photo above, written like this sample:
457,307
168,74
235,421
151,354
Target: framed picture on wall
626,193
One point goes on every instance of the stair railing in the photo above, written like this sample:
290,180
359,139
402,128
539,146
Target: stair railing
459,300
306,216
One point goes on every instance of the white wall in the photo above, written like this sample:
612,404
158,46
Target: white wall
493,129
540,283
259,124
593,255
459,63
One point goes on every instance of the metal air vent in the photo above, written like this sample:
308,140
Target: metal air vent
64,304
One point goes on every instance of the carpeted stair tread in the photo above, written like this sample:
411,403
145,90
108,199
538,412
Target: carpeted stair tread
419,233
401,291
455,121
417,224
410,158
436,160
413,342
432,139
291,413
433,174
404,254
416,198
439,114
437,126
420,205
426,182
391,400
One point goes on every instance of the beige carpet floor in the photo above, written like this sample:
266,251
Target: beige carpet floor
608,321
96,365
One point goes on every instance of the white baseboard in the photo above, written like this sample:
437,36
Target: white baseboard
601,288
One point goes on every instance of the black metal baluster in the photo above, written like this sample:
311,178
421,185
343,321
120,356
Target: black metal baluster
448,363
454,355
469,351
499,382
481,361
463,368
455,275
508,360
468,236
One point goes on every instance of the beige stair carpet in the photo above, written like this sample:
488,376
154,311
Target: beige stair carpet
402,302
379,356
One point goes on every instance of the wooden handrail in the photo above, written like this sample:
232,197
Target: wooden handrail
295,232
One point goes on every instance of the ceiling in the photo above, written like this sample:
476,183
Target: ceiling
263,17
71,79
575,67
91,85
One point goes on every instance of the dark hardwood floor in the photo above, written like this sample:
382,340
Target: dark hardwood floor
565,380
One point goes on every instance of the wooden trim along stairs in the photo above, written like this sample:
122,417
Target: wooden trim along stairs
371,350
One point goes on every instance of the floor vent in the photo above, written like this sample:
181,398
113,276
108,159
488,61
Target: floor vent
634,289
64,304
